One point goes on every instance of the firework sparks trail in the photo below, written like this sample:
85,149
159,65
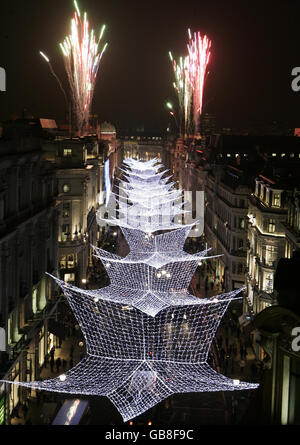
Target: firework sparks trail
183,88
56,77
82,60
199,56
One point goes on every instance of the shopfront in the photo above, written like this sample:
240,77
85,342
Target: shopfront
14,390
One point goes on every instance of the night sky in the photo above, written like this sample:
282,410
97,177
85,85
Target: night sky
255,46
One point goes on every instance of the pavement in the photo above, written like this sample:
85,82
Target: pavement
43,406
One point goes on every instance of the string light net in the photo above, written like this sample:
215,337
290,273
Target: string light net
146,336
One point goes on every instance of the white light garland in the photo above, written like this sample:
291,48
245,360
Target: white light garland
146,336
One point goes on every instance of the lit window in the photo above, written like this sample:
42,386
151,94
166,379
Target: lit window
271,225
292,155
62,262
282,155
276,200
66,210
69,278
241,223
66,188
228,155
71,262
67,152
268,282
270,255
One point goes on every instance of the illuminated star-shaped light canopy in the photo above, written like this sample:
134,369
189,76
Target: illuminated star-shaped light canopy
146,336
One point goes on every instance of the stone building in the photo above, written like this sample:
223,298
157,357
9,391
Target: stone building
226,192
28,249
268,209
292,224
79,172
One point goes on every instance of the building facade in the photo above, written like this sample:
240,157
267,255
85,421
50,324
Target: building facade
268,208
226,192
28,249
79,172
292,224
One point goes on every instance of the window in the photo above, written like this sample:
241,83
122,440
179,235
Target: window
262,192
242,203
270,255
67,262
241,223
240,270
65,232
276,200
71,261
66,188
66,210
69,278
271,225
67,152
268,282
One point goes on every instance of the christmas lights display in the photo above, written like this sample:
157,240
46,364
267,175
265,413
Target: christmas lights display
146,336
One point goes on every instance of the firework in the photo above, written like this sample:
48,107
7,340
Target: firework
82,56
183,88
190,76
199,57
46,58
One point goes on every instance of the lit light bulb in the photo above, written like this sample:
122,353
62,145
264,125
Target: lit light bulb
63,377
236,382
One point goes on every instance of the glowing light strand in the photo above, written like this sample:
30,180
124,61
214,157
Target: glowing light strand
146,336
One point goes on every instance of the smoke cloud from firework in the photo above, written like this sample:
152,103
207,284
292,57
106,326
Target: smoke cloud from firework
82,52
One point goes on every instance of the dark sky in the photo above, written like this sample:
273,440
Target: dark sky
255,46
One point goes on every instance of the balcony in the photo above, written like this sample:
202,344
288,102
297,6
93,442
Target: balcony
264,207
266,264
